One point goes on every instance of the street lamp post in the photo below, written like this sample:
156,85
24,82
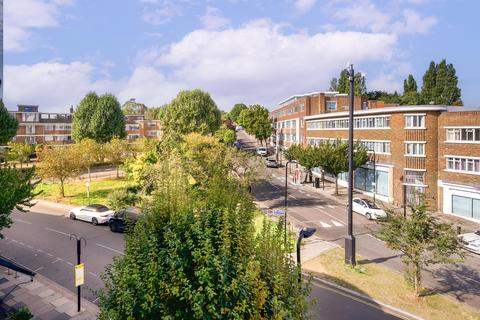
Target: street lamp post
350,239
304,233
374,174
286,201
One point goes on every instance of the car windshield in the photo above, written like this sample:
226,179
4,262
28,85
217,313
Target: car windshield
97,208
370,204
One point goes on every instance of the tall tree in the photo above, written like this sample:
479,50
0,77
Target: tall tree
308,157
191,111
8,125
99,118
17,192
409,84
422,240
256,121
360,88
226,135
58,163
334,158
235,112
343,82
446,85
88,152
20,152
116,151
333,84
429,84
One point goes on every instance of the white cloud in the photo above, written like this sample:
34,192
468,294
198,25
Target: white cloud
213,19
23,16
416,23
256,63
302,6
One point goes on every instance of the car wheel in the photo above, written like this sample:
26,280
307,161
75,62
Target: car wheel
72,216
368,216
112,226
94,221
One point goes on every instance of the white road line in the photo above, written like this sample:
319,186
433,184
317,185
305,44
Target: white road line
292,196
330,206
40,250
20,243
56,260
49,254
59,232
38,269
325,225
93,274
274,186
22,221
301,191
319,207
70,264
13,240
108,248
337,224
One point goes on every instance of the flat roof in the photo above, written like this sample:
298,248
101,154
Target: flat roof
327,93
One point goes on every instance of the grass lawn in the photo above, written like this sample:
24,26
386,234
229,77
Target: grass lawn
76,192
387,286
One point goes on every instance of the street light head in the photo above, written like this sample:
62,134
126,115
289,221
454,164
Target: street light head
307,232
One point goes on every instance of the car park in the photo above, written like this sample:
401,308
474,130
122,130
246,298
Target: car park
471,241
94,213
123,219
271,163
368,208
262,151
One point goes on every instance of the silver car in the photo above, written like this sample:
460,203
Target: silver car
471,241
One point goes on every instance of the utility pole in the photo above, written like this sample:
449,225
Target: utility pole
350,239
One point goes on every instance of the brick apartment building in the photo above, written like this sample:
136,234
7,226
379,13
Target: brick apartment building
429,149
56,128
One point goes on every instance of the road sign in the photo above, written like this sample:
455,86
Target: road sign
79,274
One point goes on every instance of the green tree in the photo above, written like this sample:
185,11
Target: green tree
154,113
308,157
226,135
20,152
423,241
360,85
343,82
256,121
116,151
99,118
17,192
235,112
409,84
191,111
446,85
333,85
58,163
9,125
429,84
121,199
334,158
410,94
88,153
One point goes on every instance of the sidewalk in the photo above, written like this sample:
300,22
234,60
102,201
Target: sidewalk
45,299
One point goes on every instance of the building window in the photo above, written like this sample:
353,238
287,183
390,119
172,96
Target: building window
382,122
29,117
414,149
463,164
414,177
463,134
48,138
294,124
466,206
377,146
331,105
49,128
133,136
303,107
415,121
302,123
295,109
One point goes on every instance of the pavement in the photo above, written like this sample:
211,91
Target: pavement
45,299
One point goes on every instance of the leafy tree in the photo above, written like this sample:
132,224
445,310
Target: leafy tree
191,111
409,84
333,84
20,152
154,113
411,98
384,96
334,158
343,85
308,157
99,118
9,125
141,170
429,84
121,199
116,151
256,121
88,152
235,112
58,163
440,84
17,192
226,135
343,82
133,107
422,240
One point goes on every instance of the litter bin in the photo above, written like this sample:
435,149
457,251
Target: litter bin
317,182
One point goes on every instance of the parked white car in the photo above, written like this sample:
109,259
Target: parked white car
367,208
471,241
94,213
262,151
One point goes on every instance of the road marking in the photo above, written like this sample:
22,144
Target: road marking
13,240
290,195
93,274
49,254
274,186
301,191
95,301
108,248
20,243
337,224
70,264
22,221
328,214
40,250
330,206
324,225
38,269
29,246
59,232
56,260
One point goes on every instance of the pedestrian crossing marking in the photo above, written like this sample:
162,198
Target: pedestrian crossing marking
325,225
337,224
330,206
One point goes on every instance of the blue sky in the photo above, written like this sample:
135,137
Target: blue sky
238,50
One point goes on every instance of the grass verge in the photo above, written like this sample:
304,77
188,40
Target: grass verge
387,286
76,192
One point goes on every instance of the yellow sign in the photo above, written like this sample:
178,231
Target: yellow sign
79,274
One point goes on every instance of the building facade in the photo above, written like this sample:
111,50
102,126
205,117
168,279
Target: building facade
430,150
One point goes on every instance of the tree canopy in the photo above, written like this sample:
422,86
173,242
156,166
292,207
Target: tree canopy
191,111
9,125
99,118
235,112
342,85
256,121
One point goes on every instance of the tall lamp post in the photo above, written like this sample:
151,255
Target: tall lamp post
304,233
374,174
286,197
350,239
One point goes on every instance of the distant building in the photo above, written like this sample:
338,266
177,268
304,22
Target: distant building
432,150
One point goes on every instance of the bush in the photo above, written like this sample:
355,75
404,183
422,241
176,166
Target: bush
21,314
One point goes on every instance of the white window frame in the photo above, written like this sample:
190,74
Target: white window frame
331,102
456,134
414,150
464,163
417,118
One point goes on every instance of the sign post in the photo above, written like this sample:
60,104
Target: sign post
79,270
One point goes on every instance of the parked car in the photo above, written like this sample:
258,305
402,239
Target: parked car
271,163
262,151
123,219
94,213
238,128
471,241
367,208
